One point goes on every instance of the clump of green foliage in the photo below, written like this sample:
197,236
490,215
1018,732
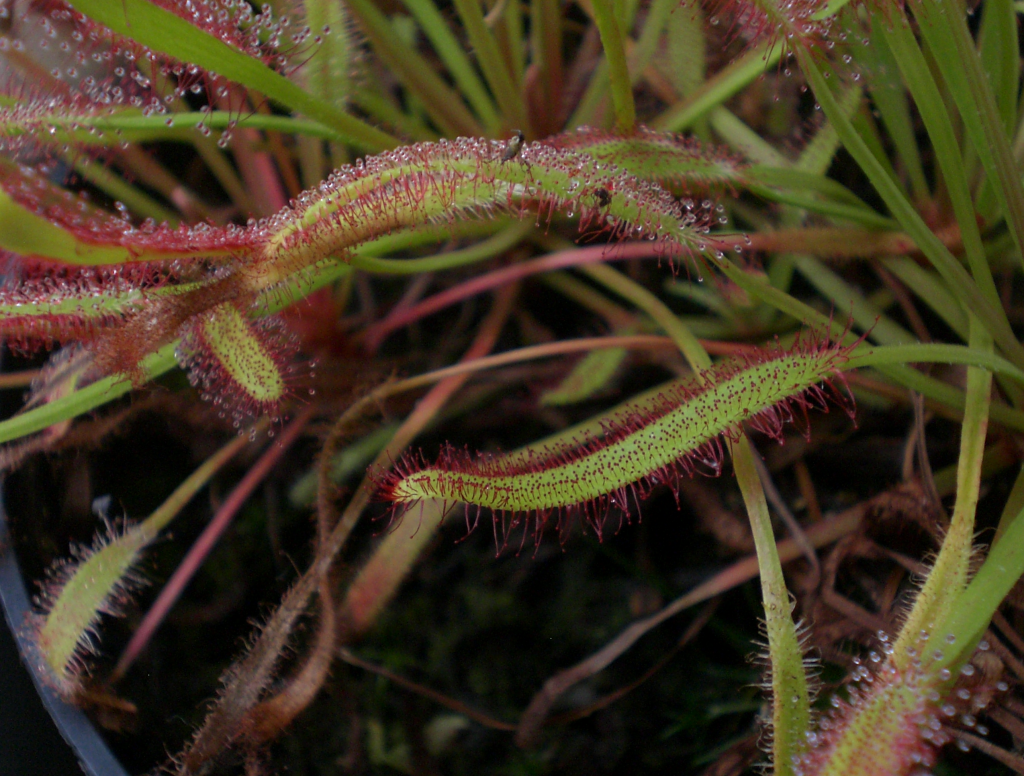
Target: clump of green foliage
332,149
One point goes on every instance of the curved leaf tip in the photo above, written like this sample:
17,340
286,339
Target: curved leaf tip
241,366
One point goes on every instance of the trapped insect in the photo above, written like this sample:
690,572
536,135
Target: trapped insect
514,146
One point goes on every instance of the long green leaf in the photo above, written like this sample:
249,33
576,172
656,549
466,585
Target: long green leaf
844,297
95,581
893,369
964,625
948,575
455,59
508,97
716,90
947,151
328,73
928,286
546,46
25,233
889,97
659,15
169,34
790,695
84,399
618,70
955,275
1000,56
943,26
933,353
442,103
940,131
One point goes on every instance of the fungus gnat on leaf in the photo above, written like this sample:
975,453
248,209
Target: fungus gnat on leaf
513,147
603,197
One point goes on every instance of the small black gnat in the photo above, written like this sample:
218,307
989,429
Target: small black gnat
513,147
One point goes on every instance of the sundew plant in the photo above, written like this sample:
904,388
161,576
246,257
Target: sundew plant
633,252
